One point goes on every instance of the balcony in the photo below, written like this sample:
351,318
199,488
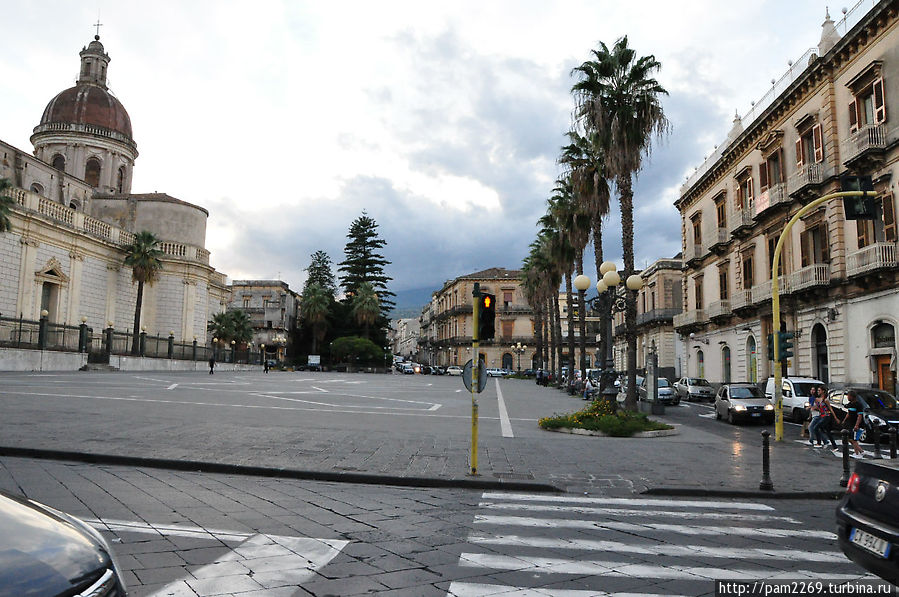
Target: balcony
865,147
812,276
689,319
871,258
656,316
693,252
742,299
720,309
775,197
741,221
762,292
807,181
720,240
511,309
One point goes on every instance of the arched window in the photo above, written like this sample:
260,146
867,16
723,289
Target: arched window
59,162
507,361
819,353
725,363
120,180
751,360
92,172
36,188
700,361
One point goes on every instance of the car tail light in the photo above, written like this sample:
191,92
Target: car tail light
854,482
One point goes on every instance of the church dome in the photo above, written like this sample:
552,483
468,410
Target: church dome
88,104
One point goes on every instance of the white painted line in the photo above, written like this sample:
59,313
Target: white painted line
432,406
504,423
172,387
641,513
616,569
319,389
466,589
528,497
646,527
659,549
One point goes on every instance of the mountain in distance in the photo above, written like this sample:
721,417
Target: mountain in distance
410,302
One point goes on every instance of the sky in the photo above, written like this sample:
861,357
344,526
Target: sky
442,121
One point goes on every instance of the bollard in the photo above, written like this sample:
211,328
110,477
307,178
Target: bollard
844,480
893,443
766,484
875,437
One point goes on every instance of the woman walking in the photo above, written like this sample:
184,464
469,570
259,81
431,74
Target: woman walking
824,420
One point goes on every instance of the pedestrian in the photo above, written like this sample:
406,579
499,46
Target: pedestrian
588,388
825,427
808,415
814,415
539,377
265,365
853,422
211,365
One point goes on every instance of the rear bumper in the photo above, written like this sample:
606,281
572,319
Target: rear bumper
887,569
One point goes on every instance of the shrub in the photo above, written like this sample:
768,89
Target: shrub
602,415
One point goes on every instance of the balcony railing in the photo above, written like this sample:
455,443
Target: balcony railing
719,309
741,298
808,176
689,318
720,237
656,315
775,195
693,251
817,274
867,138
870,258
762,292
741,218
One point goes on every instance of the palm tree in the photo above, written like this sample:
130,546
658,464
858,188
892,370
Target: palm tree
366,306
619,101
143,257
6,204
241,326
220,326
314,308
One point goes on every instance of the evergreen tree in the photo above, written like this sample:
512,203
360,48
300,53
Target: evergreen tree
319,273
363,263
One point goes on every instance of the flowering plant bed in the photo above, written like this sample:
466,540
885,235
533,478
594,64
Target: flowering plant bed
603,416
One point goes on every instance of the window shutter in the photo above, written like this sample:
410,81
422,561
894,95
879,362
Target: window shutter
889,218
804,248
853,115
825,243
818,143
799,152
862,231
750,197
763,177
880,108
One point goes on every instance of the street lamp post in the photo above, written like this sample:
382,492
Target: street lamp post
519,349
610,303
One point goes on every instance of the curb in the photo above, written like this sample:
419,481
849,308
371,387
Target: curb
261,471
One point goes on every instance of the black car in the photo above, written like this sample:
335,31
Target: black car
52,554
880,410
868,518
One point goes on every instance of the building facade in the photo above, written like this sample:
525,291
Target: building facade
451,319
834,113
272,308
74,213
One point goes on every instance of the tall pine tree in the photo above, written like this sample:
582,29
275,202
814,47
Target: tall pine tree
319,272
363,263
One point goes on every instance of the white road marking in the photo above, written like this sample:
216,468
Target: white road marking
628,527
172,387
504,423
320,389
610,568
629,512
527,497
658,549
466,589
431,405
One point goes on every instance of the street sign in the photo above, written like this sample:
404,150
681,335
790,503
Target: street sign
482,375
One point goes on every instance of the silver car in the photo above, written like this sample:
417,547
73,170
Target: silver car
694,388
743,402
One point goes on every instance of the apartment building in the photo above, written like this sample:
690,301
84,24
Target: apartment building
451,320
835,112
272,308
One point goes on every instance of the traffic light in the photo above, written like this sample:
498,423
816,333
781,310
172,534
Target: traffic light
486,316
771,356
785,345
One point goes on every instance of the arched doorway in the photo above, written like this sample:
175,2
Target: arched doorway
700,364
92,172
819,353
725,363
507,361
752,371
883,340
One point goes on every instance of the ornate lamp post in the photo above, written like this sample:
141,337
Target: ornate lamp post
610,303
519,349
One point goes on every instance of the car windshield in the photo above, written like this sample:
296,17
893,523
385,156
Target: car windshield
663,383
803,388
694,381
746,392
877,399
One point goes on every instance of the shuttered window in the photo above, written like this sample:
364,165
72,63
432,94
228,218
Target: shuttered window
818,143
880,109
889,218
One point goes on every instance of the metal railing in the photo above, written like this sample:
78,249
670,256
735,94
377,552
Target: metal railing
740,299
811,174
689,318
872,257
657,315
741,218
817,274
719,308
869,136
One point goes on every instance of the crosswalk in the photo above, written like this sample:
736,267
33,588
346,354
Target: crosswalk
529,545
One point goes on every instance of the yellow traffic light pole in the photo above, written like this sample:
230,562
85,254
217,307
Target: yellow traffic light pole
775,306
475,375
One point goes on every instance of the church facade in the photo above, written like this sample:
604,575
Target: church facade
74,213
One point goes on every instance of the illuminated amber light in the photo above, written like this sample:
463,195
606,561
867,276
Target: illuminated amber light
487,301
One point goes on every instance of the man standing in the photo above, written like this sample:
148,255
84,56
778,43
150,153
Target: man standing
853,422
211,364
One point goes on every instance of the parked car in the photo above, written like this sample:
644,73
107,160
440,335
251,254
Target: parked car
454,370
529,372
795,395
694,388
666,392
49,553
494,372
867,523
743,402
881,410
622,387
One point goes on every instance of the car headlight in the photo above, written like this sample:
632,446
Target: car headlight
739,408
769,407
876,421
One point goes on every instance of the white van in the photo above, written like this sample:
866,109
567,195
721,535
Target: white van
795,395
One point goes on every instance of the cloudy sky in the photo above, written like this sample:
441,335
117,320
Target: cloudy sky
442,120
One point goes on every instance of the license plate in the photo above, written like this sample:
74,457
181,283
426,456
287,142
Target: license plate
756,414
869,542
